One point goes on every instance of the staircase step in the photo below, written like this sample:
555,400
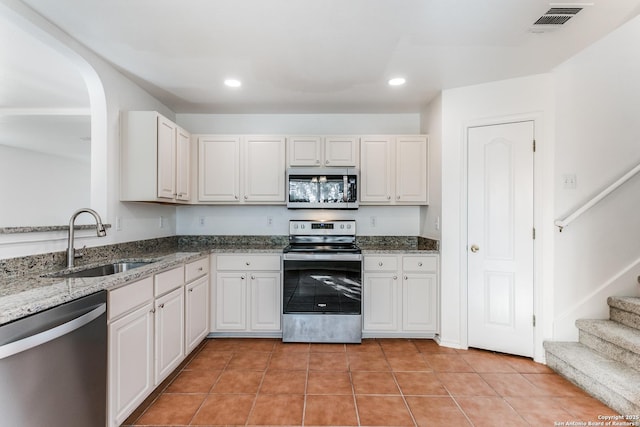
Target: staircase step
610,381
611,339
625,310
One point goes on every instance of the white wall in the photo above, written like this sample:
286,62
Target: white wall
431,124
109,93
598,140
58,181
229,220
516,99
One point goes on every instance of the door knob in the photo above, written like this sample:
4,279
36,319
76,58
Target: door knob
475,248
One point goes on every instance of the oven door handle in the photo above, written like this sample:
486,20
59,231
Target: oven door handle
322,257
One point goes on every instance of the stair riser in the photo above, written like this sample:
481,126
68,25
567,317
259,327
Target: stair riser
594,388
625,317
610,350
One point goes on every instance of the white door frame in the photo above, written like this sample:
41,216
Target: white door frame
541,314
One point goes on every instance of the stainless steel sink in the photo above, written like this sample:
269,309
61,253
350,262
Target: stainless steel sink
102,270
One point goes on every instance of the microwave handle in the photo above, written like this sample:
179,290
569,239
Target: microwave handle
345,188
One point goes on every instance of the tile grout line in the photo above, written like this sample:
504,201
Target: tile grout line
264,374
212,386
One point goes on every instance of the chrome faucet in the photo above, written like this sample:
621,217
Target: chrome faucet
71,252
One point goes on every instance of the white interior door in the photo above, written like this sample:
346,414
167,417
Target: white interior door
500,237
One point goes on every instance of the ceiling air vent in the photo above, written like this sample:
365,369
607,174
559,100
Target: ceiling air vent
555,17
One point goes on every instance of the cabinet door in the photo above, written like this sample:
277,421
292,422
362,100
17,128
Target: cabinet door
219,169
419,302
341,151
166,158
264,169
197,312
411,169
265,301
183,165
380,302
169,333
231,301
304,150
130,363
376,174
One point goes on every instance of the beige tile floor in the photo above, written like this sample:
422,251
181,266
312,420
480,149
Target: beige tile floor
385,382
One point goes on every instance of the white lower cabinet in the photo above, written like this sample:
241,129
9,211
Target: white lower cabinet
169,333
131,341
197,313
153,324
400,295
247,294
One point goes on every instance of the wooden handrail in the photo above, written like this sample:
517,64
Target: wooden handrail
561,223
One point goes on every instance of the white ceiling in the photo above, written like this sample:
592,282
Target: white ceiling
299,56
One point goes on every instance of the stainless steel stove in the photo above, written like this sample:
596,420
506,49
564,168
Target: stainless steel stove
322,283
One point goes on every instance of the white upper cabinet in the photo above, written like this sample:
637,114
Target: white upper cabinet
264,168
183,164
394,170
219,168
322,151
241,169
154,159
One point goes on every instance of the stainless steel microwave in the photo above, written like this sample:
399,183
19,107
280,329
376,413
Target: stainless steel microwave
322,188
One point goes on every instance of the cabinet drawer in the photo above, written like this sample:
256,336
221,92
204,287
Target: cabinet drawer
130,296
380,263
420,263
168,280
196,269
249,262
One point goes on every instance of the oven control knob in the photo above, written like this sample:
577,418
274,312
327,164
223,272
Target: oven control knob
348,226
302,226
342,226
295,226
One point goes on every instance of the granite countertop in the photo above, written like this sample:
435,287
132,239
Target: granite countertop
28,294
26,285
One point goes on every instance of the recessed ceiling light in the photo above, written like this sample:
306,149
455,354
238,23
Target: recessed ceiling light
233,83
397,81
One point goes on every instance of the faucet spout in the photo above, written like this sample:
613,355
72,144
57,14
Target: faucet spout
100,230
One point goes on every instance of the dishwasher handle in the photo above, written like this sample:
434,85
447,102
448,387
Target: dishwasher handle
27,343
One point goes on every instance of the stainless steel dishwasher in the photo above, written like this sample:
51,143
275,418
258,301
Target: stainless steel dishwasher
53,366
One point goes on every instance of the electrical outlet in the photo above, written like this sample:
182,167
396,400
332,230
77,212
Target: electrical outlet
118,223
201,221
161,222
437,223
372,221
269,221
569,181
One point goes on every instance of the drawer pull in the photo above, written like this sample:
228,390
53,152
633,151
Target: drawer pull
200,269
247,263
191,290
395,277
253,277
419,264
161,305
380,263
242,277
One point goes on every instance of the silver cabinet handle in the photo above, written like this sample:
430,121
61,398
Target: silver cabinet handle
326,162
253,277
191,290
406,278
419,264
27,343
380,263
248,263
161,305
388,197
395,277
475,248
200,269
242,277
